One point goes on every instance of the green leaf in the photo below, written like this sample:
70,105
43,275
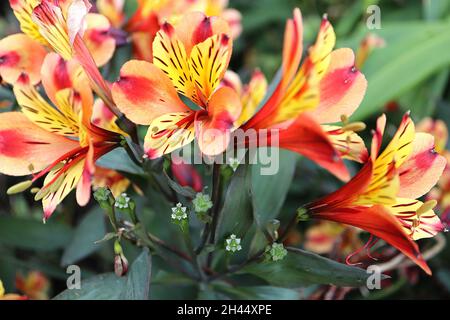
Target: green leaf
422,101
258,293
138,279
106,286
34,235
237,211
300,268
433,10
119,160
403,64
184,191
269,191
91,229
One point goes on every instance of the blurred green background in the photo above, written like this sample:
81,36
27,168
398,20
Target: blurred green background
410,73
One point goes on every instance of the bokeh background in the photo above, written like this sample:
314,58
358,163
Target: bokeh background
408,72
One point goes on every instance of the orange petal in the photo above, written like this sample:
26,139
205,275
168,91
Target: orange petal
169,55
144,92
53,27
423,168
26,148
348,143
438,129
342,88
18,54
253,95
305,136
169,132
98,40
417,226
208,63
62,121
213,130
378,221
196,27
23,11
113,10
58,74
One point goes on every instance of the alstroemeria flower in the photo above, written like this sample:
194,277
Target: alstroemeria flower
150,15
308,98
94,28
441,192
113,10
19,53
190,60
34,285
58,141
327,237
381,198
66,27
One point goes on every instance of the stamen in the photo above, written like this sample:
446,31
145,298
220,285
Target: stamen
427,206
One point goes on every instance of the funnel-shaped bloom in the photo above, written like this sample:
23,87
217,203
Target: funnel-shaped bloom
381,198
307,98
57,141
150,15
189,59
66,27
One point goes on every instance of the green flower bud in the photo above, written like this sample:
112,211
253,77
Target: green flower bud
202,202
275,252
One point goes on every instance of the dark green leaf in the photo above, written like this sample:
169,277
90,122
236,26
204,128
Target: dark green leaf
258,293
106,286
32,234
184,191
269,191
300,268
237,212
403,64
138,278
91,229
119,160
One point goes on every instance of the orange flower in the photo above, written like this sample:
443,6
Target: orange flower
381,197
35,285
189,59
67,27
58,141
323,90
146,22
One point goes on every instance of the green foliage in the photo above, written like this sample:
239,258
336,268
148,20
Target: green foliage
301,268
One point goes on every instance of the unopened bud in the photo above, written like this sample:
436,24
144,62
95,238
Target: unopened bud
202,202
302,214
20,187
120,265
276,252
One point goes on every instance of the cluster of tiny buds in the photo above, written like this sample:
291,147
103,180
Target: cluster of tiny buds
179,212
202,202
122,201
233,244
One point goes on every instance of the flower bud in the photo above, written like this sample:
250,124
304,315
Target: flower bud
120,265
275,252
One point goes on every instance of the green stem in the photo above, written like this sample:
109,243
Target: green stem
215,209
